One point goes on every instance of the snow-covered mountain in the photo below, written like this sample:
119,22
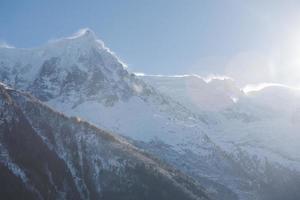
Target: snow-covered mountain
81,77
262,124
259,116
46,155
202,94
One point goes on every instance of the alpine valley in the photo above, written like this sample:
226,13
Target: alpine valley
75,123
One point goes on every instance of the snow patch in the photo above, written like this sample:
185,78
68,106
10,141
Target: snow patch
207,79
260,86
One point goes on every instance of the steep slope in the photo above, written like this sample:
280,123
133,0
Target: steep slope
204,127
259,129
81,77
45,155
79,73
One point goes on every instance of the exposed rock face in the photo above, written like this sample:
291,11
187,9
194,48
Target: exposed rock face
45,155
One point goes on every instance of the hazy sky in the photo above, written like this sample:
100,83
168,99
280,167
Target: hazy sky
252,41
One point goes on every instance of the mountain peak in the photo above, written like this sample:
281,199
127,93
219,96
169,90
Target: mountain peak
81,41
82,38
85,33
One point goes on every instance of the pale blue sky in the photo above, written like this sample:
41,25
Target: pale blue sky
169,36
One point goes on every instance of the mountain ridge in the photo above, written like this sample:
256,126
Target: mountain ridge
215,148
47,145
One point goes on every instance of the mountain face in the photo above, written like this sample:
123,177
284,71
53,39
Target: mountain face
79,76
266,118
46,155
195,92
260,128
